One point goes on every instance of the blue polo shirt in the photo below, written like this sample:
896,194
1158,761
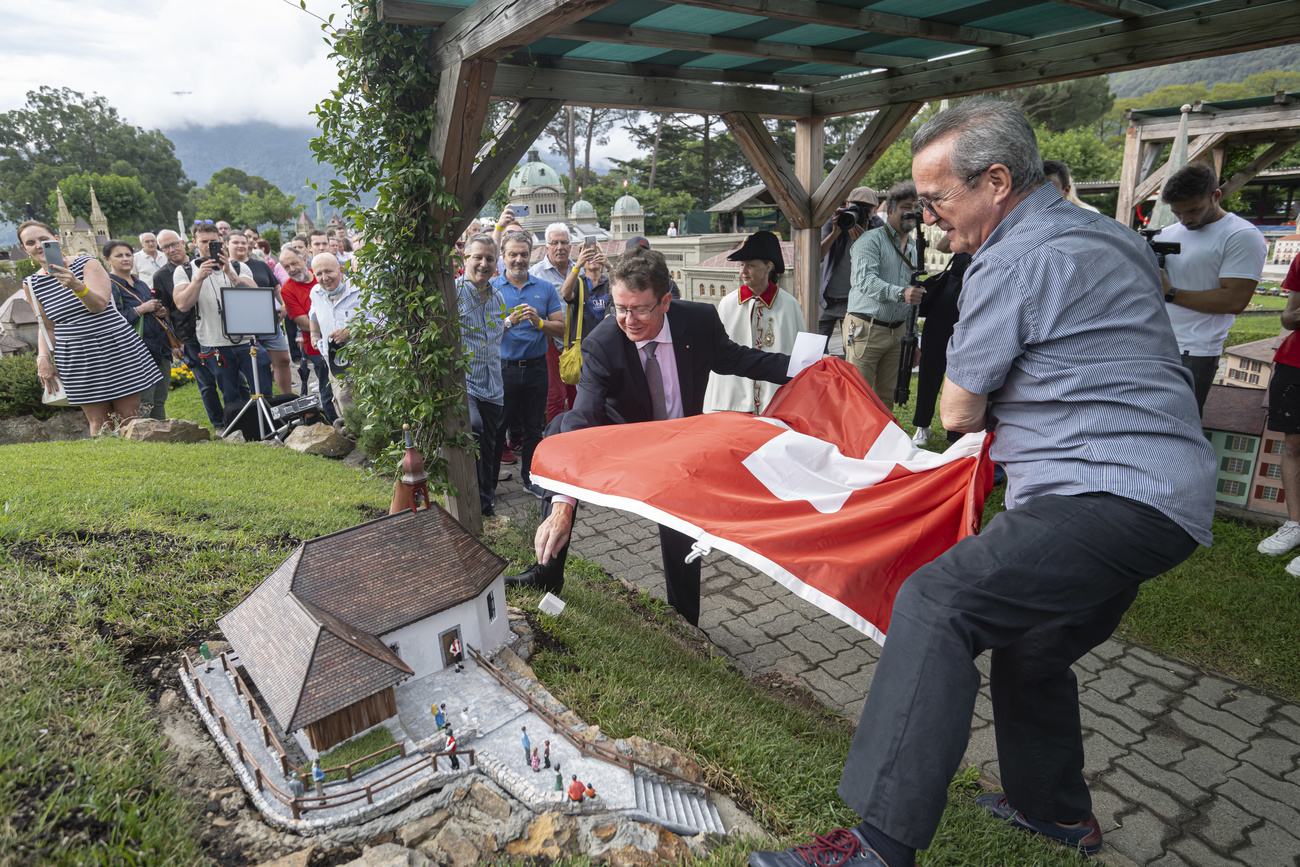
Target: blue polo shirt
525,341
1063,326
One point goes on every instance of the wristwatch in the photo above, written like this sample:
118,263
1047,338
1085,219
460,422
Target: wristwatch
1169,296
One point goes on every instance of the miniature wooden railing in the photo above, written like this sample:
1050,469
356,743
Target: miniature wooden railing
305,770
587,748
304,803
255,712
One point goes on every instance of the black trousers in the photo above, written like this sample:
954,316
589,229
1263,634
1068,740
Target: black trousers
1203,368
934,363
485,425
1041,586
525,407
682,578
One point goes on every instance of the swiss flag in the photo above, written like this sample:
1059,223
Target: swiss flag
824,492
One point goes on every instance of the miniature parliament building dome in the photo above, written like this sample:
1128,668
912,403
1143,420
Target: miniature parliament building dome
627,218
582,211
538,186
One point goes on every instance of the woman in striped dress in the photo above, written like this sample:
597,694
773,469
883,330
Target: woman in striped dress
101,361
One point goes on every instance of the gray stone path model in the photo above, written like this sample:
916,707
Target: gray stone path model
1185,768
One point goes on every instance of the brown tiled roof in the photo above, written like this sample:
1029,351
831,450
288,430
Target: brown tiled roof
18,311
1235,410
308,633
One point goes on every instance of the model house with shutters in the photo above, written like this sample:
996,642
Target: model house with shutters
348,617
1234,421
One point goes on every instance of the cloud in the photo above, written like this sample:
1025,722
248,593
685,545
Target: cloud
174,63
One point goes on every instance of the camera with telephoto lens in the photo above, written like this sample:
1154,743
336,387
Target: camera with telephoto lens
854,214
1161,248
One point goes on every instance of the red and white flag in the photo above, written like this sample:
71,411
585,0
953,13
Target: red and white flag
824,492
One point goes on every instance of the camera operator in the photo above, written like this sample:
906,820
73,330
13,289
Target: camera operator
881,294
198,287
839,233
1214,276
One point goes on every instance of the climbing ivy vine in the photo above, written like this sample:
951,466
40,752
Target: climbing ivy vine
375,130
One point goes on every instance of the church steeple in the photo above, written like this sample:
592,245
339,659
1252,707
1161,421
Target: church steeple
65,216
412,490
98,222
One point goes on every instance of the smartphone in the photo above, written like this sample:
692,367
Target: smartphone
588,242
214,250
520,210
53,254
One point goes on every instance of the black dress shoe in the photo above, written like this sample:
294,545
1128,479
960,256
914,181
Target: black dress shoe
530,577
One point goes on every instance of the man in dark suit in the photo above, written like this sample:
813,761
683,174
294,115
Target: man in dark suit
651,360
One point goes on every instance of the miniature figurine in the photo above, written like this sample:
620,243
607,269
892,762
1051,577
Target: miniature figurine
318,777
537,761
296,788
559,778
440,715
576,789
546,754
455,654
528,757
590,792
464,718
451,748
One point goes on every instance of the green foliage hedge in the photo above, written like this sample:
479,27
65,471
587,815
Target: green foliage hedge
20,388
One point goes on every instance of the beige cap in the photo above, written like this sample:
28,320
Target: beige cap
864,194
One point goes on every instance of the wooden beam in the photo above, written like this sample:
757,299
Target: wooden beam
1196,149
492,29
807,12
1128,9
654,70
1239,120
1205,30
498,158
464,91
1128,175
765,156
809,165
676,40
1258,164
871,143
617,91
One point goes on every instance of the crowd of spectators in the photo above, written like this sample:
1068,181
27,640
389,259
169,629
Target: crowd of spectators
113,327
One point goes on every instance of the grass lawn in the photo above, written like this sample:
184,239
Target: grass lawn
371,742
1247,329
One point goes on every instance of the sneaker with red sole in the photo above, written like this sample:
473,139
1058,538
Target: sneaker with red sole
507,456
1085,836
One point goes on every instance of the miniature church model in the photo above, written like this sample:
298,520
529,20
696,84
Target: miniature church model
349,616
78,236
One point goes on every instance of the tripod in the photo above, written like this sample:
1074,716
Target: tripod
907,356
257,402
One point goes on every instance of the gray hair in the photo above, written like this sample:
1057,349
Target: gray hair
482,238
986,132
288,251
557,227
517,238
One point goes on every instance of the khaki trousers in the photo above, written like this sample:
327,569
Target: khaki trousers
874,350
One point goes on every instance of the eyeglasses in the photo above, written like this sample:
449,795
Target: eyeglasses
929,202
557,243
637,312
171,246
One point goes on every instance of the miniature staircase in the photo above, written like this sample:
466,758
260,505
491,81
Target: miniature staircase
678,811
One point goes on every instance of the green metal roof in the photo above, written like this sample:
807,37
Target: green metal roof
1225,105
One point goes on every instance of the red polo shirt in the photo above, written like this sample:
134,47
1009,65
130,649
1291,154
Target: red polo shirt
1289,351
297,299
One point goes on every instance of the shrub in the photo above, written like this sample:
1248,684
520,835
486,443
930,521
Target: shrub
20,388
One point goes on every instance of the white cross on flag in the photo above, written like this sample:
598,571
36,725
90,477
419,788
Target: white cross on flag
824,492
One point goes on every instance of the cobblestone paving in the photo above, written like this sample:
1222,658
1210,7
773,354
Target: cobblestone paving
1185,768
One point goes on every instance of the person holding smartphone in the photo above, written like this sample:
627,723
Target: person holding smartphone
101,362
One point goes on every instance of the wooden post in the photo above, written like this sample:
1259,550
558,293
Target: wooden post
284,765
207,699
225,663
809,142
1128,175
266,735
239,748
252,710
257,777
369,799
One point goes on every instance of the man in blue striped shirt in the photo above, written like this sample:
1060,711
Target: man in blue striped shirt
1064,349
482,323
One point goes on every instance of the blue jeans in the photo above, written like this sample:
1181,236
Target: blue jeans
322,368
235,375
205,377
485,423
525,405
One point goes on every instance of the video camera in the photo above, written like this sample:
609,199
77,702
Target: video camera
917,216
1161,248
854,214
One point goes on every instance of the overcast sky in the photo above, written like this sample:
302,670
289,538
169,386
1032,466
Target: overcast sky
171,63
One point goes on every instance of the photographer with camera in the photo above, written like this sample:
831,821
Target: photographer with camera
198,287
1213,276
881,294
839,233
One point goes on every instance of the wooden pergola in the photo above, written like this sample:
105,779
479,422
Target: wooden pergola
805,60
1212,127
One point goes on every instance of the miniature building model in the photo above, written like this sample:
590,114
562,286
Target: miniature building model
627,219
1286,249
1234,421
78,236
538,186
329,634
304,224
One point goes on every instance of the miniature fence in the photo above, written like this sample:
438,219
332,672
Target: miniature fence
595,751
304,803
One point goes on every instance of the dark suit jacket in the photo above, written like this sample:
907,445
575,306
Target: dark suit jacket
613,387
183,322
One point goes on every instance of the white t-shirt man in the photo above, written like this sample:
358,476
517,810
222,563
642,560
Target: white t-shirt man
209,327
1229,247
